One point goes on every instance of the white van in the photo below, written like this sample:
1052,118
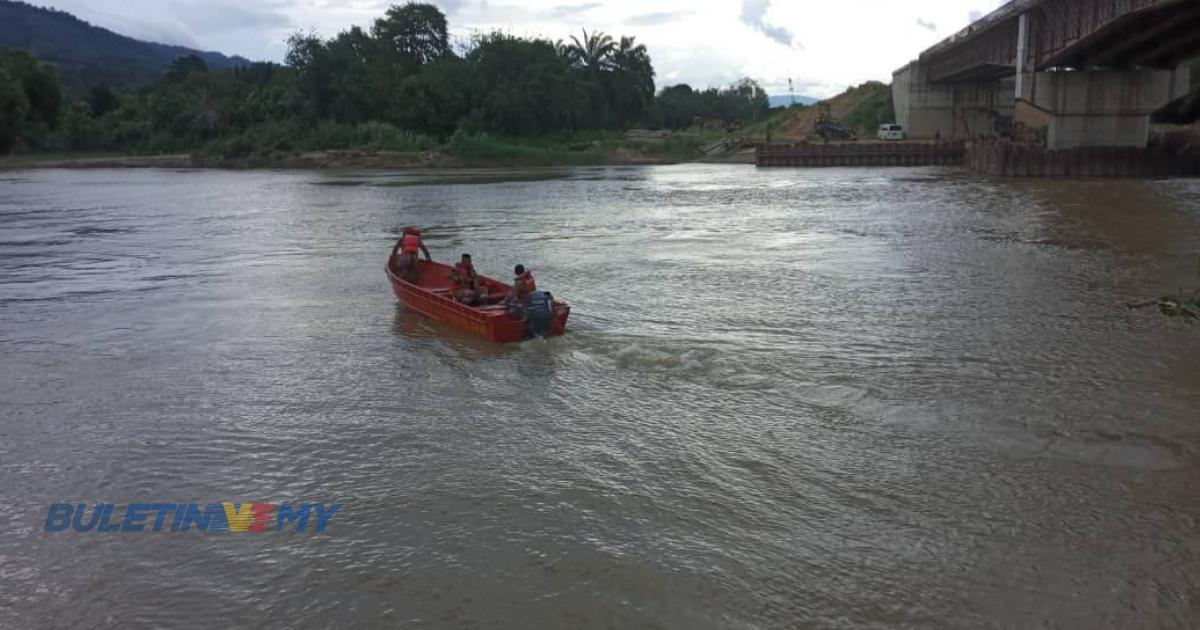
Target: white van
891,131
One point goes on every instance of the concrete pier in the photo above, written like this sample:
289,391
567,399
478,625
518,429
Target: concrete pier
1105,108
958,111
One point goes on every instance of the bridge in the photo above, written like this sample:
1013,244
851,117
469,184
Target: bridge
1069,72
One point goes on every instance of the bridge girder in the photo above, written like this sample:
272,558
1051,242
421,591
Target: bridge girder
1082,33
1070,34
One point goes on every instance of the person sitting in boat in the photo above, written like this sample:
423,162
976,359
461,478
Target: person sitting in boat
465,281
525,302
523,284
408,246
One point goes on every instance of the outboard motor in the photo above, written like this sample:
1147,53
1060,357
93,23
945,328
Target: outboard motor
539,313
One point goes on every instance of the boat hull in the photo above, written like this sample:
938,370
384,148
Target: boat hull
431,297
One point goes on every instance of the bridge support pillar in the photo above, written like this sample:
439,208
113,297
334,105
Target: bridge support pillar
1097,107
1022,56
959,111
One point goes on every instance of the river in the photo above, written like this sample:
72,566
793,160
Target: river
787,398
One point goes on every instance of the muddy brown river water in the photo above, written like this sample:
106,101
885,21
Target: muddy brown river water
907,398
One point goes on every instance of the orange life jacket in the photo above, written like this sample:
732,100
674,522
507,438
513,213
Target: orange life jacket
524,285
410,243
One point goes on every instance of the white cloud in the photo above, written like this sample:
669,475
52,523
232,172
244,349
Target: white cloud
754,15
822,46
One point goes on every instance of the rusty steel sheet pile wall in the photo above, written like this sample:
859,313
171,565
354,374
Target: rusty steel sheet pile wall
862,154
1010,159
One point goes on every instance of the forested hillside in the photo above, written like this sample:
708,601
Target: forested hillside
86,55
397,85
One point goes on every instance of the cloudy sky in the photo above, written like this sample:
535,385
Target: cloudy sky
822,45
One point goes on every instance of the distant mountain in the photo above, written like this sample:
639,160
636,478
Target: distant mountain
785,100
86,54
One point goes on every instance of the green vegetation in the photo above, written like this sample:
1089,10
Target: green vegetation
872,106
1180,307
398,87
1177,305
30,100
775,120
680,107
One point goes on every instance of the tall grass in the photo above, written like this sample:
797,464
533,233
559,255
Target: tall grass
573,148
269,138
487,148
874,107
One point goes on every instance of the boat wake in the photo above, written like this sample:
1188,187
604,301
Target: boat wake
639,354
635,356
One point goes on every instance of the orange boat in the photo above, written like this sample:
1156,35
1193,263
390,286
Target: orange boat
431,296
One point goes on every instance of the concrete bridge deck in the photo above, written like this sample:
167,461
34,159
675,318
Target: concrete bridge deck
1068,34
1059,73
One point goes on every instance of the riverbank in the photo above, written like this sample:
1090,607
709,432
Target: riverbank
318,160
633,148
85,160
347,159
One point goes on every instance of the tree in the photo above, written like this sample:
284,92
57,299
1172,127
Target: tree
678,106
14,110
361,86
102,100
30,100
522,86
314,89
398,80
266,95
184,66
45,95
593,53
412,35
302,49
437,98
633,83
619,77
206,112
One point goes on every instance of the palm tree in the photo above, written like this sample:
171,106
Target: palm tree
594,52
633,61
564,51
634,79
618,75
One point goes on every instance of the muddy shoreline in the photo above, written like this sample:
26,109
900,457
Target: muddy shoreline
319,160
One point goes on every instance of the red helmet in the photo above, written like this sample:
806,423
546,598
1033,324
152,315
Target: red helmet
411,230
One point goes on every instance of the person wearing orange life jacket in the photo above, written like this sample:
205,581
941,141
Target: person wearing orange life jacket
527,303
407,247
465,281
523,283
